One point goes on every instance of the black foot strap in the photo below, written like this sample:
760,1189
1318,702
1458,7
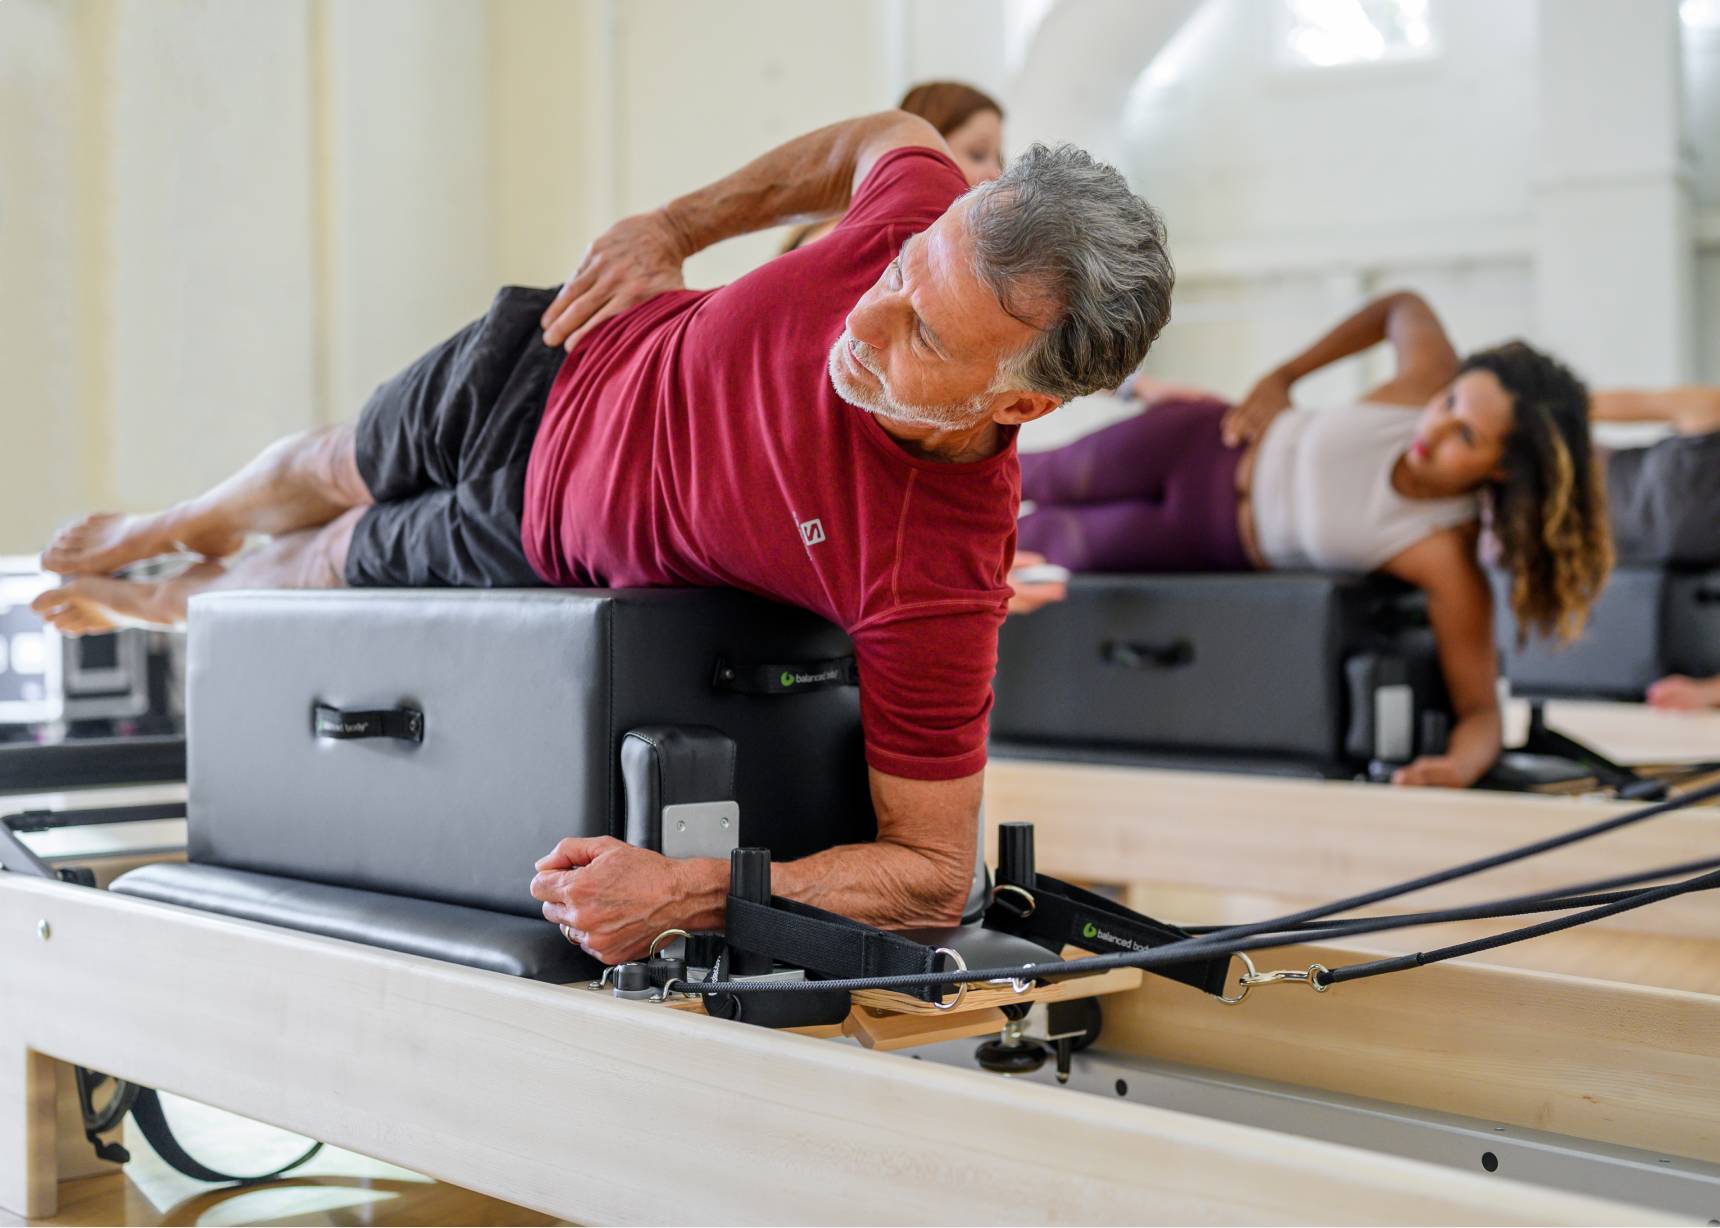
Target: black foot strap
1056,914
827,943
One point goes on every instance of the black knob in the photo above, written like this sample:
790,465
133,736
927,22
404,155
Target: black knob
749,875
1015,854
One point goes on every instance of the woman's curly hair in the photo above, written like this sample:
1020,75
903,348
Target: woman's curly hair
1548,511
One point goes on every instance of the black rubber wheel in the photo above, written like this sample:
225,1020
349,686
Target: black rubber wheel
1017,1059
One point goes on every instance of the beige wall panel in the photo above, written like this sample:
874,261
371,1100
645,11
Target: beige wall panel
212,291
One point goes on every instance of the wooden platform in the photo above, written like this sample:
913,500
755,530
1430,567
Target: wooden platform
576,1106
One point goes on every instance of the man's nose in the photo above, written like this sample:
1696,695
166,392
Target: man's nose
866,323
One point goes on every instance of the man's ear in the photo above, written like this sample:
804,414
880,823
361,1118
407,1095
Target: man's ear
1024,407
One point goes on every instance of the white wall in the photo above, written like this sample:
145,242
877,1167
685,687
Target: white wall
222,222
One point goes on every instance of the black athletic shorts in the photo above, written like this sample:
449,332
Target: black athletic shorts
1664,501
443,448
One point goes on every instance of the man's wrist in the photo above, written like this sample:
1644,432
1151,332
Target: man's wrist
682,234
702,886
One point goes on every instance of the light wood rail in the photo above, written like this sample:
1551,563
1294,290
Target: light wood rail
1326,840
577,1106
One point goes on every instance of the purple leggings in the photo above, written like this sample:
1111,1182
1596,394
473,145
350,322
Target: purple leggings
1156,492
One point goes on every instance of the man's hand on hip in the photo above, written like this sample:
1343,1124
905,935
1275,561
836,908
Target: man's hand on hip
638,258
609,897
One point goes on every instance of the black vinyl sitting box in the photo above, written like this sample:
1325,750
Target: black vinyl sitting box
385,766
1274,671
1647,623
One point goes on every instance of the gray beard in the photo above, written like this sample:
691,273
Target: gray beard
881,404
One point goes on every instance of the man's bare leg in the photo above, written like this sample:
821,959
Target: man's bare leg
297,483
309,558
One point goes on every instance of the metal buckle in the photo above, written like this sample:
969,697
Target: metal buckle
1020,984
1023,892
663,939
961,989
1281,976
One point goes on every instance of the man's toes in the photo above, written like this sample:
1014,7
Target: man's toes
50,602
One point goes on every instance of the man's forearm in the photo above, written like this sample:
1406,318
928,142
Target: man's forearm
887,885
811,176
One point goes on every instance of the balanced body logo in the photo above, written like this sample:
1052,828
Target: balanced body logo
791,679
1089,930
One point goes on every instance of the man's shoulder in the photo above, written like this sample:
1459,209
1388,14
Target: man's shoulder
910,186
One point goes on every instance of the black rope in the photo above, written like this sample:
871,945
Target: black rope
1354,972
1581,895
1231,940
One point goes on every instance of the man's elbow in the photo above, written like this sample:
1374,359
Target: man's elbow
947,887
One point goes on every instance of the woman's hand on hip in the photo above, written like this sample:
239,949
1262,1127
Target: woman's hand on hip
636,259
1247,420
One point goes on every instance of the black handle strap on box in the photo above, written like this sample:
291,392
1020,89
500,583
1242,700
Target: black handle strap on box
1057,914
1131,654
401,724
827,943
789,678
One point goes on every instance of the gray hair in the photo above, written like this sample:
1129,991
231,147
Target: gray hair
1061,232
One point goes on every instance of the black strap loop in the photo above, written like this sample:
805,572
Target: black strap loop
401,724
1066,915
146,1112
785,679
1133,655
826,943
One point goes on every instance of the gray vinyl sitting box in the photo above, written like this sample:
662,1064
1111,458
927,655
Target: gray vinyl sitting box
1319,670
522,703
1648,622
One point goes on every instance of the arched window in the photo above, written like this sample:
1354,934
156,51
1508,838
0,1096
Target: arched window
1335,33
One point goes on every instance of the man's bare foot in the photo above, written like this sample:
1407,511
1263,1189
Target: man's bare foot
106,541
1687,694
90,605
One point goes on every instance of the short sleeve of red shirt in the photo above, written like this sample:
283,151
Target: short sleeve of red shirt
925,688
911,186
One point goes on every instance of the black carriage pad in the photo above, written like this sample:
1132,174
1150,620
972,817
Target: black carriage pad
435,743
475,937
1648,622
1316,668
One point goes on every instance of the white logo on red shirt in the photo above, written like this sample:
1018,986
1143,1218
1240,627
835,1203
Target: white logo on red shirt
812,531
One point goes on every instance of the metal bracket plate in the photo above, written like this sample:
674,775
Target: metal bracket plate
701,829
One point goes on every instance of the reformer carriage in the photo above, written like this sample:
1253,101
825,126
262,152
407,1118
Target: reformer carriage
307,972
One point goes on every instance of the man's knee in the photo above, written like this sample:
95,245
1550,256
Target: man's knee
324,560
330,459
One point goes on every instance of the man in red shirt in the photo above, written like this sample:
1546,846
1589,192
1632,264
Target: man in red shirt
834,430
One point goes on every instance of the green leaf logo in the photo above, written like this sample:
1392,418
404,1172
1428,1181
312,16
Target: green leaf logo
1089,930
787,678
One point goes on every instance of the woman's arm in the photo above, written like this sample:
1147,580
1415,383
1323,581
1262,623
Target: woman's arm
1460,606
1426,362
1692,410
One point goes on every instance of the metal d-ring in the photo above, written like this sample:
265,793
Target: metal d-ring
961,988
1023,892
657,943
1247,979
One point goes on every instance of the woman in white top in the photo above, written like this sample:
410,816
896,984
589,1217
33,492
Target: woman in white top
1397,484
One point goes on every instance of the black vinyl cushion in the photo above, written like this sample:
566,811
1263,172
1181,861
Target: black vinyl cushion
1204,664
526,698
477,938
1648,622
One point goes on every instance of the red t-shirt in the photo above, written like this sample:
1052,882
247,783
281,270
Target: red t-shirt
696,441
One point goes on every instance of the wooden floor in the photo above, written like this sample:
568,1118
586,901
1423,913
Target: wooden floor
337,1187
